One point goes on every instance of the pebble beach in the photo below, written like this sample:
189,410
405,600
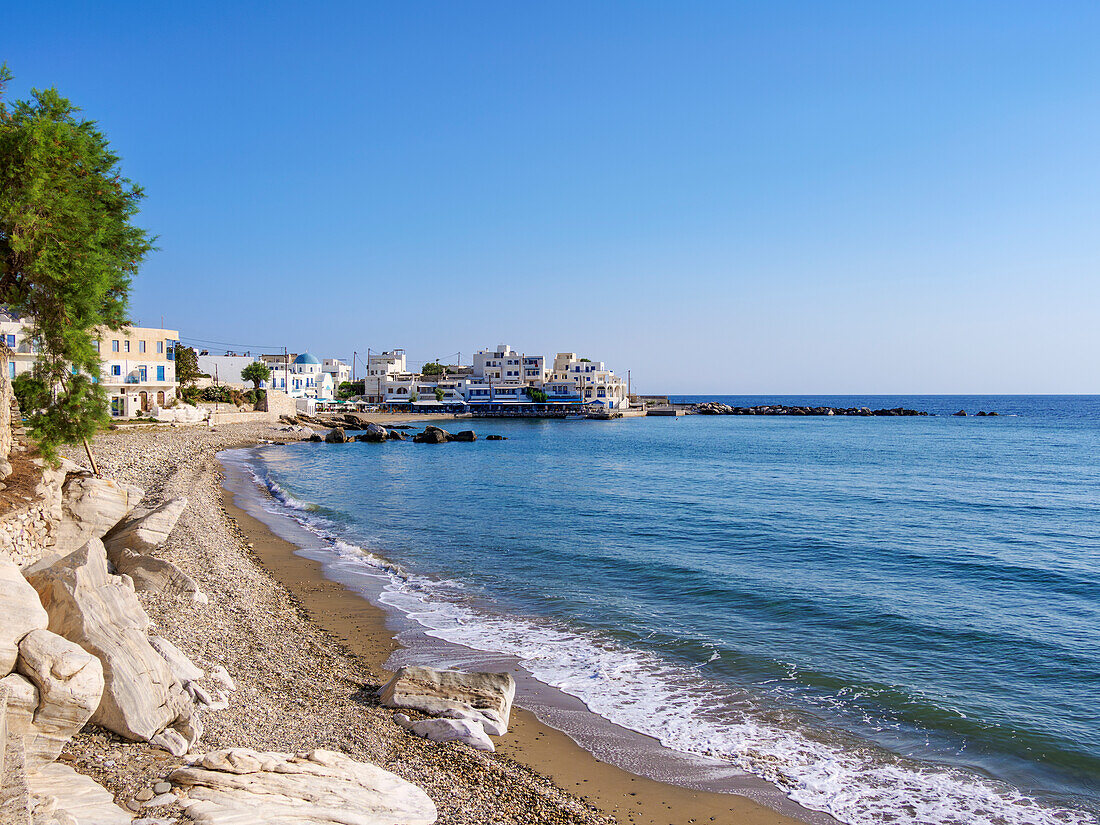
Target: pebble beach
307,660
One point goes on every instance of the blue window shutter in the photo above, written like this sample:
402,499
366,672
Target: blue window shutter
160,373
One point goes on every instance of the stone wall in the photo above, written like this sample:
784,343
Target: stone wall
278,403
27,532
240,417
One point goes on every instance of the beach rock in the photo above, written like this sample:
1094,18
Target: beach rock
154,575
448,730
315,438
489,720
68,682
395,435
336,436
100,613
244,786
62,795
148,531
172,741
20,613
496,438
434,691
374,433
90,507
220,677
182,668
432,435
960,413
465,435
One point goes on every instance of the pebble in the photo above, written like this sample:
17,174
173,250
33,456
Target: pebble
144,795
162,787
162,799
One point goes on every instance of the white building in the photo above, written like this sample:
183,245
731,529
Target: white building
340,372
226,369
380,368
307,379
590,380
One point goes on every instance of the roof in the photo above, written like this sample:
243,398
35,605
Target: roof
307,358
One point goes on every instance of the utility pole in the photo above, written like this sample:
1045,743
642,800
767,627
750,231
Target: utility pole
353,354
286,371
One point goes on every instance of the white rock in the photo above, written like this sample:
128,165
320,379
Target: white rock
182,667
69,685
448,730
198,694
82,798
172,741
90,507
434,691
146,532
20,613
160,799
150,574
488,719
220,676
323,788
88,606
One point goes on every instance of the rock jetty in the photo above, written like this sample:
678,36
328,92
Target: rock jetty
716,408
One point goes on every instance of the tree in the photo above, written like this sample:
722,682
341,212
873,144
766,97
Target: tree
68,251
187,366
439,394
256,372
433,368
536,395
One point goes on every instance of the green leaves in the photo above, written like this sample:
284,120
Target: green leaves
68,251
255,372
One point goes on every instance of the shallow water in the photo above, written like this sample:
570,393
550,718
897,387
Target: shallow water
893,619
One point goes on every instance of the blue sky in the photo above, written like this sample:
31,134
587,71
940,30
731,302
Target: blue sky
722,197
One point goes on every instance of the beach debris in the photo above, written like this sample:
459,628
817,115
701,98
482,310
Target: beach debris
242,785
99,612
435,691
56,690
145,530
467,731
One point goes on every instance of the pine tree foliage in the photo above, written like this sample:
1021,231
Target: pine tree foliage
68,251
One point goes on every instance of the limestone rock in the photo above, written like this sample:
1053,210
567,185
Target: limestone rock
14,797
220,676
20,613
90,507
434,691
154,575
182,668
172,741
100,613
148,531
336,436
58,789
69,683
395,435
448,730
490,721
244,786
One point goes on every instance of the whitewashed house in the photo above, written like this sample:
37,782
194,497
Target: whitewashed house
307,379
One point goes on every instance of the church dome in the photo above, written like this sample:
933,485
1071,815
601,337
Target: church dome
307,358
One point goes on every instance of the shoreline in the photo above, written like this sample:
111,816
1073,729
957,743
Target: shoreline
368,632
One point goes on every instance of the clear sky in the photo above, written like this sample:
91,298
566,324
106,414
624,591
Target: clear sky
815,197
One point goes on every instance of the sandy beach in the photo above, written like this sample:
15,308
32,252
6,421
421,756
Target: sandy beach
308,657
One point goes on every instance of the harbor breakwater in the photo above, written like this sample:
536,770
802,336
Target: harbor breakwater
718,408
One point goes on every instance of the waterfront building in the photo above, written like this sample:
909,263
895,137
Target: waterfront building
138,368
340,372
381,367
307,379
591,380
226,369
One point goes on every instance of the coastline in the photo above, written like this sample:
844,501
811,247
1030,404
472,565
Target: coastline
364,630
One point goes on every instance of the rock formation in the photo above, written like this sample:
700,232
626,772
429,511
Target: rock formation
101,613
239,785
448,730
90,507
145,530
20,613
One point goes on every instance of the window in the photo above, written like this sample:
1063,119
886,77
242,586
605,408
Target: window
127,344
11,340
97,346
11,369
115,368
75,370
160,373
141,346
160,347
143,374
114,346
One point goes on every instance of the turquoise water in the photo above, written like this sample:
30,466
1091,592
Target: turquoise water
893,619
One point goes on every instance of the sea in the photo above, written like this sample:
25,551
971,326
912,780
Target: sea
867,619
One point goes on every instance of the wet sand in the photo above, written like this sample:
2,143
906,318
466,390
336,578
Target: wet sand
362,628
